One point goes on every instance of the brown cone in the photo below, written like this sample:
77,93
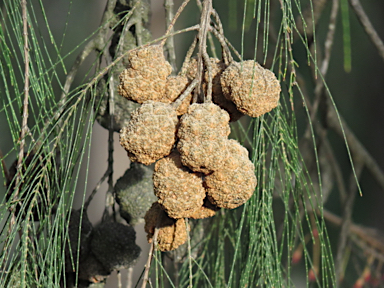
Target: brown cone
203,132
254,92
172,233
179,190
151,133
145,77
235,183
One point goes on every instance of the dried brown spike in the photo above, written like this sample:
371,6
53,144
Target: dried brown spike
255,92
179,190
203,132
235,182
151,133
175,87
172,233
145,77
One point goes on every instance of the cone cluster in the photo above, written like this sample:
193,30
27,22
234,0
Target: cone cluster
198,169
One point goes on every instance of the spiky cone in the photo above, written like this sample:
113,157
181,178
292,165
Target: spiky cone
205,211
254,92
172,232
134,192
122,107
217,93
145,77
92,270
180,191
113,244
203,133
151,132
176,85
235,182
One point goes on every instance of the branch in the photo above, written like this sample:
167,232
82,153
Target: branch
364,20
327,57
170,44
24,125
355,145
150,256
169,33
346,221
96,43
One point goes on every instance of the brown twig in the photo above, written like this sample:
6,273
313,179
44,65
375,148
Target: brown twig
346,221
364,20
24,125
202,55
97,43
133,19
325,63
354,144
170,44
23,132
170,27
210,39
369,236
150,256
129,277
5,169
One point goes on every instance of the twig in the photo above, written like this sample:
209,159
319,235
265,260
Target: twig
347,221
364,20
129,277
24,125
94,191
119,284
170,44
108,202
368,235
355,145
327,56
150,256
170,27
187,58
96,43
5,169
24,128
202,55
132,21
186,92
189,254
210,39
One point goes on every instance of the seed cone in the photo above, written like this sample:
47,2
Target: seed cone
122,107
113,244
172,233
175,87
145,77
179,190
205,211
217,94
203,132
253,92
134,192
92,270
151,132
235,182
